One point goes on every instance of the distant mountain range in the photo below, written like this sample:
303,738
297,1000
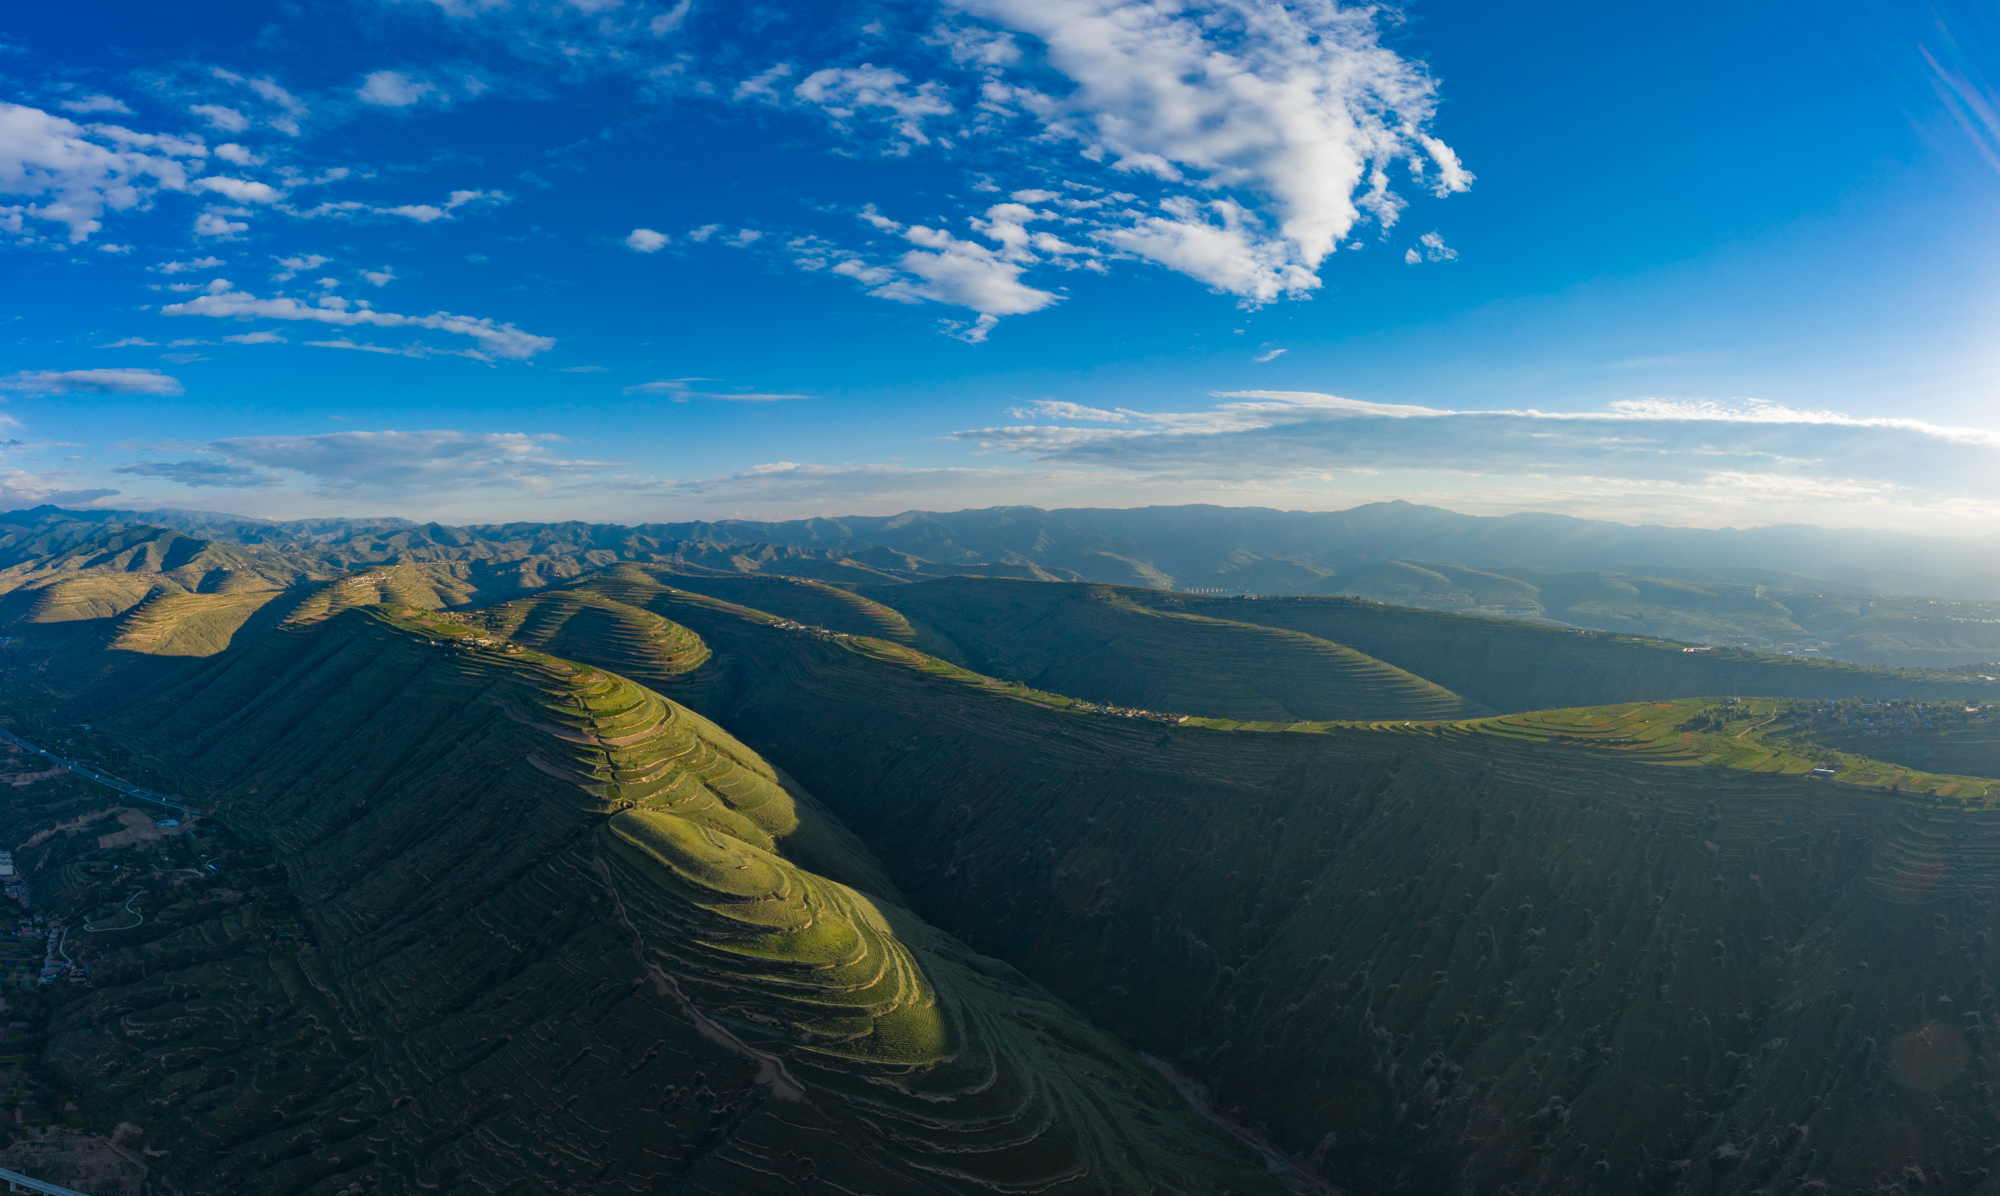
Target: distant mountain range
1252,549
1791,589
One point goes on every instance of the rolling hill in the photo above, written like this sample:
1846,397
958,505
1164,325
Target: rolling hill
529,922
1512,665
1550,955
661,876
1095,643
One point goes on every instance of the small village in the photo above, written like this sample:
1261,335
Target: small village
1133,712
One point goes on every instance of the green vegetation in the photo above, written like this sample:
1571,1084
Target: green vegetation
524,910
1094,643
1946,737
1376,938
587,624
1792,615
1511,665
548,857
800,599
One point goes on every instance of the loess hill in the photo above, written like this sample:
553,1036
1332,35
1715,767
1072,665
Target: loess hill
1620,952
546,930
1096,643
671,878
1511,665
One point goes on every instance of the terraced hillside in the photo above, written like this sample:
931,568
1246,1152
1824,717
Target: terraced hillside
1511,665
552,932
585,623
1094,642
1545,955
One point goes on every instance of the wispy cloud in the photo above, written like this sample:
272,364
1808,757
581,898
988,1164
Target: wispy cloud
680,390
495,339
95,382
383,462
205,472
1288,434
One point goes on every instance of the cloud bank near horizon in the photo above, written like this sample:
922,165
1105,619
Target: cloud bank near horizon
1699,461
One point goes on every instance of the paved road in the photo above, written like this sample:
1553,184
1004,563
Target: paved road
16,1182
125,787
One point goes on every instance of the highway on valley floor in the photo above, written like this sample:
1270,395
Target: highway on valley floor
125,787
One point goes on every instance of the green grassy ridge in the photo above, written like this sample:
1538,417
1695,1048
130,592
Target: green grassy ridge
583,623
1093,643
1654,732
800,599
1512,666
1483,953
1878,629
479,1001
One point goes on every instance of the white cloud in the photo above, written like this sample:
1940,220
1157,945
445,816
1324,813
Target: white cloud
392,89
680,389
1294,113
764,84
93,382
704,232
210,224
1429,248
494,339
406,461
743,237
669,20
240,190
380,278
844,93
255,338
200,263
95,103
1273,355
290,266
645,240
233,153
43,155
221,117
1221,243
790,489
204,472
291,108
422,213
1275,436
1058,409
950,270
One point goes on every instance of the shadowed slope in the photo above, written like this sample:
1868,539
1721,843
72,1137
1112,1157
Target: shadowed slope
1093,642
556,936
797,598
1521,666
1554,955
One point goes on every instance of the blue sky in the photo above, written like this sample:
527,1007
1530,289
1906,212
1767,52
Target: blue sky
634,260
